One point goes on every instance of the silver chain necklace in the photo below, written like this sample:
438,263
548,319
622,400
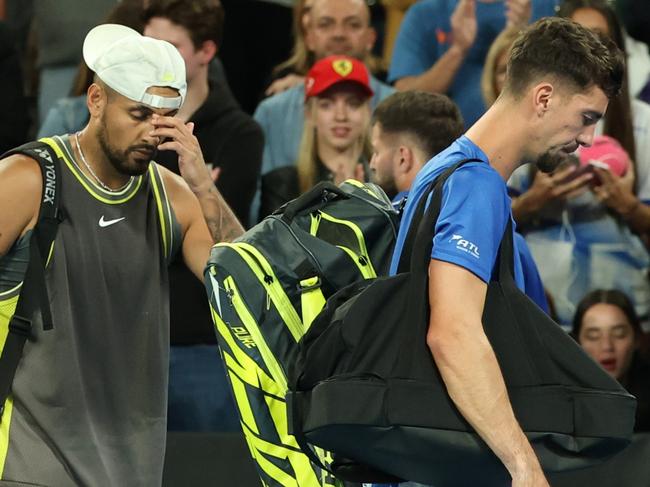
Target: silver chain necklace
90,169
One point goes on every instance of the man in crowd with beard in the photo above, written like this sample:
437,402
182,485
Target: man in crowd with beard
559,80
408,129
333,27
88,400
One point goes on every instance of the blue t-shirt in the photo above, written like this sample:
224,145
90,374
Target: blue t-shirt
533,286
425,35
474,213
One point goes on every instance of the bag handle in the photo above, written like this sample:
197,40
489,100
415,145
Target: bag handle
532,340
409,242
506,255
312,199
418,215
418,306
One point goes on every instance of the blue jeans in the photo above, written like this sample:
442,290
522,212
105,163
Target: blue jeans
199,392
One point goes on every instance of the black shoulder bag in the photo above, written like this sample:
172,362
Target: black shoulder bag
365,386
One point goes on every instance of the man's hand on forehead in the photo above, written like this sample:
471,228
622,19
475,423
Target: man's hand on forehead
169,129
179,137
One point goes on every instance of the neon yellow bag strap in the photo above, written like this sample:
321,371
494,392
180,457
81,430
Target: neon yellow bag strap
312,300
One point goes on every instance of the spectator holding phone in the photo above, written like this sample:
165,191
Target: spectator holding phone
586,227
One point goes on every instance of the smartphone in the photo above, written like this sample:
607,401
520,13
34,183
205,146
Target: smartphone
579,171
587,168
599,164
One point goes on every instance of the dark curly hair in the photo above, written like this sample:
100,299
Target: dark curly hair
568,51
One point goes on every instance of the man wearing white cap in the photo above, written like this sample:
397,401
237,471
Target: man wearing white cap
88,399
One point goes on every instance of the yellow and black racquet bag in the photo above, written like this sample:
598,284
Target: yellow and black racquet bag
266,288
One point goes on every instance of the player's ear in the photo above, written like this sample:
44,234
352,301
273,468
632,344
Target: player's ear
96,100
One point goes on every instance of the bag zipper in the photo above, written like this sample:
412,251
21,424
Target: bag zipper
249,322
314,260
274,292
375,205
362,260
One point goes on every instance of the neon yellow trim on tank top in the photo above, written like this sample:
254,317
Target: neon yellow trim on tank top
161,213
168,207
95,191
11,291
49,255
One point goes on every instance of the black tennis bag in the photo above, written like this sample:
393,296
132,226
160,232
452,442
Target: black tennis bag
266,287
366,388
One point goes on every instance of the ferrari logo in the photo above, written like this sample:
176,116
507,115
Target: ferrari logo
342,67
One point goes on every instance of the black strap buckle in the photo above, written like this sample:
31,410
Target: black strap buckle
59,215
20,325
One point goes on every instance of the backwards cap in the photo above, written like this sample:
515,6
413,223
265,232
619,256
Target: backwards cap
130,64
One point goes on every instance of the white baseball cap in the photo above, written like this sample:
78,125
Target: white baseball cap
131,64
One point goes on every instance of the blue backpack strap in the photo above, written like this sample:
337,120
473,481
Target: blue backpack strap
33,295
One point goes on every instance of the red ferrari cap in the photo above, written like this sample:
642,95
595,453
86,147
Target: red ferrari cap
336,69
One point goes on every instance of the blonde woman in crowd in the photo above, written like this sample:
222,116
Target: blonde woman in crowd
335,141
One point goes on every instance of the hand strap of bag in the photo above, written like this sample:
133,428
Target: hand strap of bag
431,200
33,295
418,264
313,199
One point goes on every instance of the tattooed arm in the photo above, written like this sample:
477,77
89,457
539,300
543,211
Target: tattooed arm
221,221
203,214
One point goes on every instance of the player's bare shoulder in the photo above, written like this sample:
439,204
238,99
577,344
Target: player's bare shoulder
183,201
174,184
21,186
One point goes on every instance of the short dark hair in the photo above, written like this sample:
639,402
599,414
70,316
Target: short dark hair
605,296
433,119
567,51
203,19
